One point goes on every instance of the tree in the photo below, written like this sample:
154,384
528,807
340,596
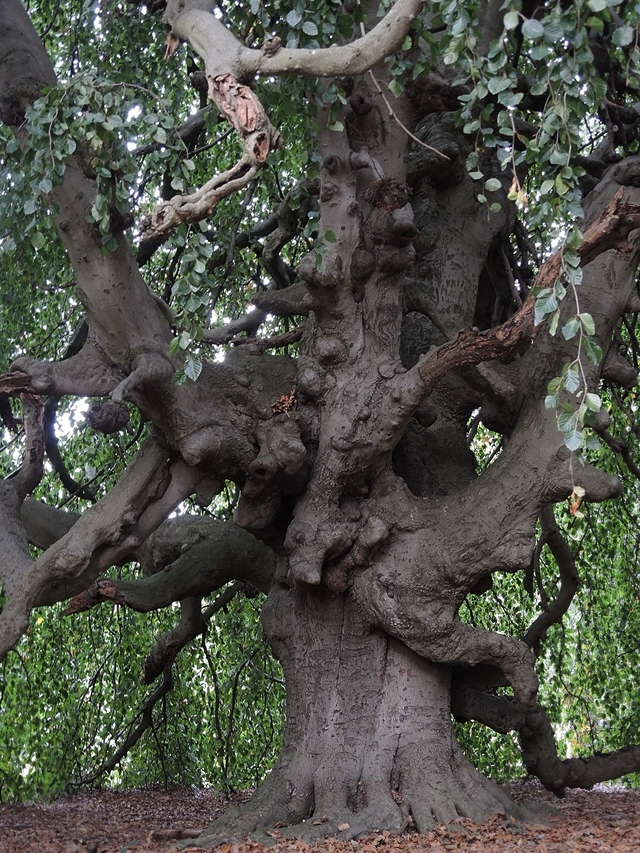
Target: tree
426,157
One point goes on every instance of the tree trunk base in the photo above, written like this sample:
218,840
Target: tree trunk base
369,743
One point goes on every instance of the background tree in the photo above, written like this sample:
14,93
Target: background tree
421,198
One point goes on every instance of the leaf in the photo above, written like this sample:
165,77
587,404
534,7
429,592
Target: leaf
511,20
571,380
330,237
568,421
498,84
597,5
623,36
546,303
554,385
592,350
588,323
310,28
37,240
573,439
571,328
532,29
492,185
593,402
193,369
293,19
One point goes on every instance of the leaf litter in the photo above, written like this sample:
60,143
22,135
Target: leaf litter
152,819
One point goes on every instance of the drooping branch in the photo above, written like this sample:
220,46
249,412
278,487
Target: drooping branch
146,720
193,622
31,470
569,581
539,752
165,649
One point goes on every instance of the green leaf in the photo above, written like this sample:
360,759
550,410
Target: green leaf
593,402
532,29
498,84
330,237
573,439
492,185
571,380
592,350
568,421
571,329
546,303
293,19
511,20
554,385
574,239
623,36
551,401
592,442
597,5
193,368
310,28
37,239
587,323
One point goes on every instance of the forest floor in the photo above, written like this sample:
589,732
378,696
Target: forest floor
152,819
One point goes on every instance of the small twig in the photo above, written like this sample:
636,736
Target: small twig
393,114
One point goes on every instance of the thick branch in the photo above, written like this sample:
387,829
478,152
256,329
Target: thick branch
609,231
227,553
222,52
249,323
149,489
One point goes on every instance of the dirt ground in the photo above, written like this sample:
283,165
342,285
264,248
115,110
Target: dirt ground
150,820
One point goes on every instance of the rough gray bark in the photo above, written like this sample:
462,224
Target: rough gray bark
353,461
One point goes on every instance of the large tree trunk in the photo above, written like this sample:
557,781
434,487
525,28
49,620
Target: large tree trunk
369,742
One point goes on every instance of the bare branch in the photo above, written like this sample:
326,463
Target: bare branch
146,719
223,53
610,230
539,752
569,581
